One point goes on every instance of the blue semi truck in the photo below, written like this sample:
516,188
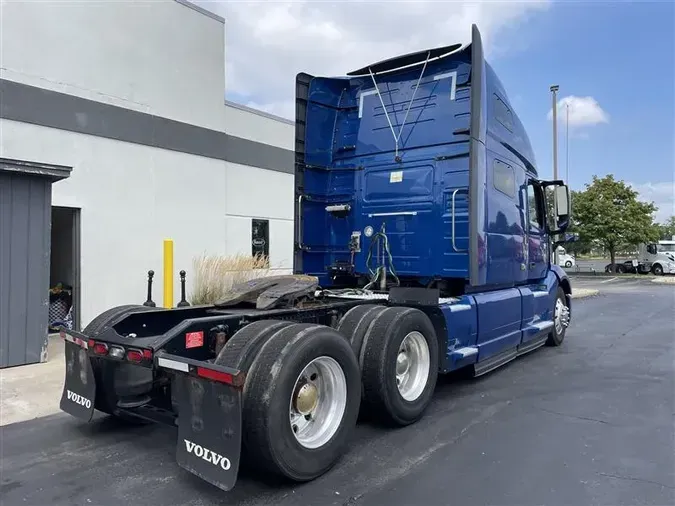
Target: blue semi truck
422,246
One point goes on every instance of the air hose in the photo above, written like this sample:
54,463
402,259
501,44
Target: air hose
381,269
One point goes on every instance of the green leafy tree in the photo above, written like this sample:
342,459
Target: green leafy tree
667,229
609,213
582,244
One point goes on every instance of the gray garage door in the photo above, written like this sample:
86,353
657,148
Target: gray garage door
25,220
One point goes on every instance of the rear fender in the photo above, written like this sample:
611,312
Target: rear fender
208,399
564,283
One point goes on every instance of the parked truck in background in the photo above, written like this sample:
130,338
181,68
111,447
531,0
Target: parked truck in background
564,258
657,258
422,246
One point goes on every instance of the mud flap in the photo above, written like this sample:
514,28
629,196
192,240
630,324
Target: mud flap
79,388
209,419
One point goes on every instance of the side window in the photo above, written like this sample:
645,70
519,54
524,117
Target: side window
504,178
260,240
503,113
533,209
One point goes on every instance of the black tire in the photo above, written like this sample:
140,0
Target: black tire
555,338
657,270
106,318
243,347
379,355
568,264
269,440
355,323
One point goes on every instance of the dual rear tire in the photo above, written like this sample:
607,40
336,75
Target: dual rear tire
301,396
397,348
306,383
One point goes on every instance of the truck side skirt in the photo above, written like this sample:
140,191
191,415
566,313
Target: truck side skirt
494,327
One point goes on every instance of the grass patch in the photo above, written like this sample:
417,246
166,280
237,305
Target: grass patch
215,275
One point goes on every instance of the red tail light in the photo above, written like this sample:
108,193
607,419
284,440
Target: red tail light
135,356
147,354
222,377
99,348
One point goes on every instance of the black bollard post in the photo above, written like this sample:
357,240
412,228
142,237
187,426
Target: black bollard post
149,302
183,302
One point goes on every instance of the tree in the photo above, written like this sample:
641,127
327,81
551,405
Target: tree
608,212
583,244
667,229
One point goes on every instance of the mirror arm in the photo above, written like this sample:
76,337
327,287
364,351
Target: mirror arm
561,228
566,238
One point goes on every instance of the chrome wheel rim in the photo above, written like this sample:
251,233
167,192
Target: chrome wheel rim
562,316
318,402
412,366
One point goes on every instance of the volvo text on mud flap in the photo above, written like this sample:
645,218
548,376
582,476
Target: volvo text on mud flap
208,455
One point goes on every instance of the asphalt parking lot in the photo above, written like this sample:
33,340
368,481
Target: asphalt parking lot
589,423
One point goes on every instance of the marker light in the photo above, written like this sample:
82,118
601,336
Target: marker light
100,348
135,356
222,377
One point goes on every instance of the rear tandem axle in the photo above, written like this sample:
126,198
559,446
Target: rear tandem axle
283,386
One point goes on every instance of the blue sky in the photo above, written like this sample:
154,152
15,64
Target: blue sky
622,55
614,63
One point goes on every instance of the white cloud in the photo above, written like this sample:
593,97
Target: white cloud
583,111
662,194
269,42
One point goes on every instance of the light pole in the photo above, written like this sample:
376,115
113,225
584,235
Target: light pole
554,102
567,144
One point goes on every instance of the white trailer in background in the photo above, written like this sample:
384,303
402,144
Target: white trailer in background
564,258
658,258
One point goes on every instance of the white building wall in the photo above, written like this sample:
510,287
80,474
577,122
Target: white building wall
132,197
258,126
160,57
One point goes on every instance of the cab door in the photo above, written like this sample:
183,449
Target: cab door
537,241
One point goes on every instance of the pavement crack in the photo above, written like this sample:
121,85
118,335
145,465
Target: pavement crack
629,330
577,417
353,500
632,478
389,472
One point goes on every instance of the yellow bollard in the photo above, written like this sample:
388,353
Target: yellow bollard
168,273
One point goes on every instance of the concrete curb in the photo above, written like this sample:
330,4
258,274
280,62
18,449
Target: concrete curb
608,275
581,293
668,280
